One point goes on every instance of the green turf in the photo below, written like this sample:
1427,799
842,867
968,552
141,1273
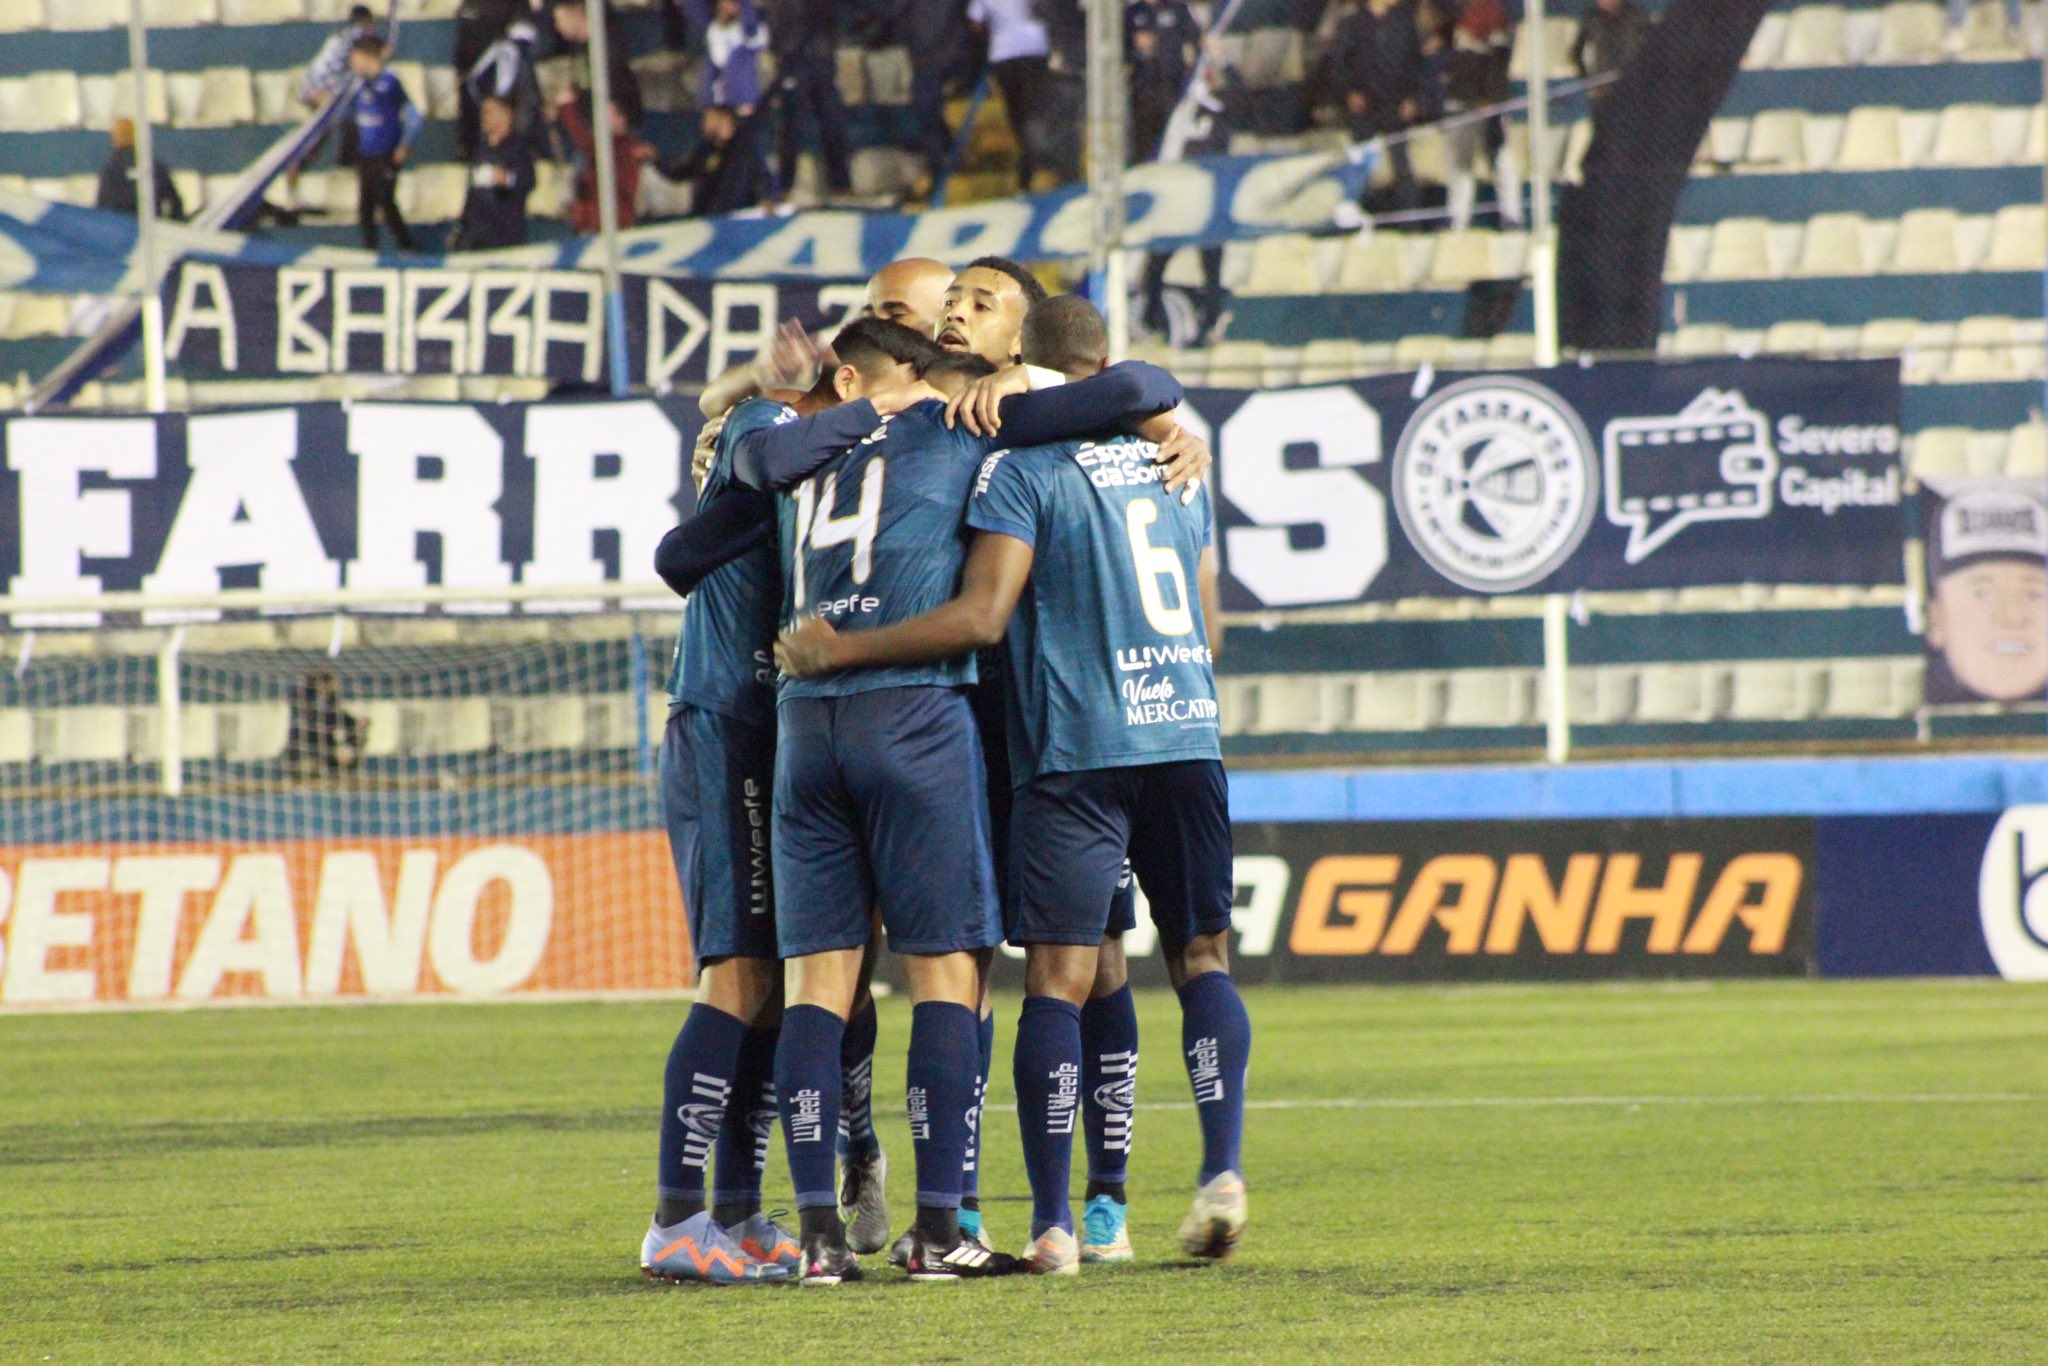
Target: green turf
441,1183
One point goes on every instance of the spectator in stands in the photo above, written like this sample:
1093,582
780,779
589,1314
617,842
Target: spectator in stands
1482,43
324,737
1377,67
800,34
118,178
725,173
505,71
386,123
572,35
1219,107
734,38
1609,34
478,25
327,76
2015,27
629,154
1987,604
500,179
935,32
1018,53
1161,38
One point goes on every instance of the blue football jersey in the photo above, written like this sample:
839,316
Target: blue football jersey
1108,652
725,651
877,536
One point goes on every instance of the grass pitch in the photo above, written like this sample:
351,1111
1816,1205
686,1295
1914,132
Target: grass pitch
1798,1171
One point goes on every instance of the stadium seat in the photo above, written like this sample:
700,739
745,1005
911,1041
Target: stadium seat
82,735
1870,140
262,11
1286,703
38,315
1777,140
1700,339
2026,451
1374,263
1794,338
1985,38
444,92
1282,264
1677,693
1510,351
1832,245
1272,56
1686,252
1822,134
1462,257
79,15
1982,354
1765,46
1594,696
1927,242
1419,349
540,723
2019,239
1964,135
180,13
1814,36
276,96
1939,453
1738,250
1986,453
1394,701
1724,143
1237,364
1773,690
22,16
252,732
440,192
1283,366
106,98
17,736
1485,698
1908,32
1927,356
2034,149
1329,359
1864,687
1233,702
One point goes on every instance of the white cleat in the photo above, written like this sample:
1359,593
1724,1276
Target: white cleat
1217,1220
1053,1253
864,1204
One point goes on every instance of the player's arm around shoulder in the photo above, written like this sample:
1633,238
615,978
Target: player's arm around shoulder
997,569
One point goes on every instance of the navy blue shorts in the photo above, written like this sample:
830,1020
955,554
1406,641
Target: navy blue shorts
717,773
1070,834
880,800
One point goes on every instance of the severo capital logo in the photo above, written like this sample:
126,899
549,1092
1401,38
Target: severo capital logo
1495,482
2012,894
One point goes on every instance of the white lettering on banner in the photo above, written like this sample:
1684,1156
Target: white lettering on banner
1286,192
255,895
991,228
396,503
1796,438
241,507
1855,488
301,349
727,337
507,320
38,926
664,361
1349,513
437,323
809,244
61,523
586,333
163,882
529,916
381,322
217,316
573,503
1163,198
389,942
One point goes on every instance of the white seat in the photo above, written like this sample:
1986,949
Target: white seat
459,727
1864,688
1510,351
180,13
22,16
1686,252
1777,140
1822,135
1462,257
1676,693
440,192
1815,35
58,103
38,315
1832,245
543,723
444,92
1725,140
82,735
251,732
1794,338
1985,37
1927,243
79,15
1489,698
276,96
2026,451
1765,46
1773,690
1392,701
1964,136
1908,32
1283,264
1328,359
1595,696
17,736
1414,352
1373,264
1739,249
2019,239
1871,140
1237,364
1983,353
1701,339
262,11
1233,704
1286,703
1939,453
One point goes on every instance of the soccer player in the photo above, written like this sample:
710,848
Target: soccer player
879,776
1116,749
984,309
717,771
911,291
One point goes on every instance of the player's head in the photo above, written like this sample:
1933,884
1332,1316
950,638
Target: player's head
1988,609
1066,333
950,373
911,291
985,308
366,55
872,356
359,15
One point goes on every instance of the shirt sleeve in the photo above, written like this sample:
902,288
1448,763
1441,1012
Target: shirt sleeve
1123,393
726,526
1005,499
790,453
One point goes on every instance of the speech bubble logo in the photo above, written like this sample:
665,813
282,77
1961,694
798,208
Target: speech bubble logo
1712,462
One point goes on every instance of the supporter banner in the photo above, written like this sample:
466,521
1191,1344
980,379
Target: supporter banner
1612,477
300,921
434,320
1496,900
363,495
62,248
1987,590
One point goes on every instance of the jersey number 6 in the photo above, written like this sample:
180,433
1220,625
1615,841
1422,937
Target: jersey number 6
1154,562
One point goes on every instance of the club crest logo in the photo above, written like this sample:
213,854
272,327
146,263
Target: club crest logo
701,1119
1117,1097
2012,894
1495,483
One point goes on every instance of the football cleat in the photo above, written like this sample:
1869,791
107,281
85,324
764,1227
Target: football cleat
697,1249
863,1206
1217,1220
827,1262
899,1251
971,1225
768,1242
966,1259
1104,1238
1052,1253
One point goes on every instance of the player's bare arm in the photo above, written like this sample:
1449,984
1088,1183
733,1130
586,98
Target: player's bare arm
993,579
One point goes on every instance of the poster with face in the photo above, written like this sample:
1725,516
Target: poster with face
1987,590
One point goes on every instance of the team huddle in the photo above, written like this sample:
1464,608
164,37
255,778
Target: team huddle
945,675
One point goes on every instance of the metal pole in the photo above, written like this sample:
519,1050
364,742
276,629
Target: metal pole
1107,111
607,191
1557,723
1542,234
170,714
145,216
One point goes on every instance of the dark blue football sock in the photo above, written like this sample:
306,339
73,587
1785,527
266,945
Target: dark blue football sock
694,1091
1216,1043
1048,1076
807,1094
970,1175
857,1072
1109,1086
749,1129
939,1093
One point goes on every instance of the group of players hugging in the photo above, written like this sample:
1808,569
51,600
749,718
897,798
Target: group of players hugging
944,673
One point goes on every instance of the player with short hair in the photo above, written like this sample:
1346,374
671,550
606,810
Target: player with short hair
1115,743
985,307
911,291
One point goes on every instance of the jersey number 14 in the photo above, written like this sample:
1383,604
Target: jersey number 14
818,529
